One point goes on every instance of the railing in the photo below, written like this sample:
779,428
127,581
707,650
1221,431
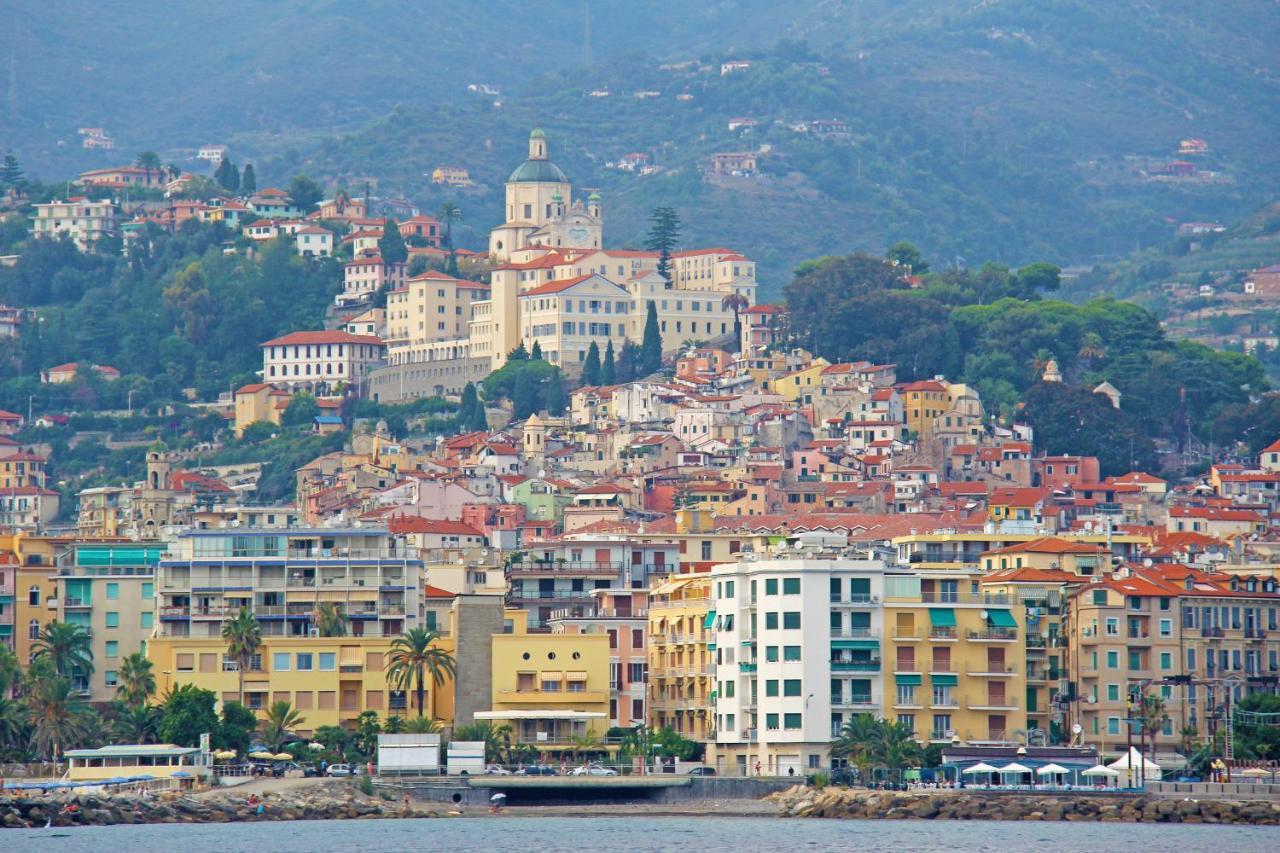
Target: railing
942,666
552,595
76,602
949,597
855,666
906,634
1037,641
747,667
855,598
994,634
938,632
852,700
992,671
565,566
1255,634
852,633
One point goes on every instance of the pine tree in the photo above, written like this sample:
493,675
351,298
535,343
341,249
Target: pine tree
651,347
519,353
248,180
664,234
535,354
608,369
591,367
556,400
227,175
626,362
391,245
11,174
524,399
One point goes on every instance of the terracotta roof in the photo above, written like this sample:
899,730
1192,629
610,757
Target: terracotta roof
414,524
565,284
324,336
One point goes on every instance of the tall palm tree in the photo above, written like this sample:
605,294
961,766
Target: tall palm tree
448,214
277,729
67,647
413,657
10,670
136,680
737,303
243,636
586,744
330,620
136,724
56,715
150,161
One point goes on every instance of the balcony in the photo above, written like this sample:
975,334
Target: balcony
994,635
942,666
851,600
994,704
553,697
584,595
855,666
990,671
1037,641
747,667
853,702
906,635
70,603
852,633
949,597
566,568
1255,634
1037,674
945,633
173,613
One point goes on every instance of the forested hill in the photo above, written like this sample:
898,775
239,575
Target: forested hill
1007,129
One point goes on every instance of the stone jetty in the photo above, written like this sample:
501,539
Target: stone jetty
852,803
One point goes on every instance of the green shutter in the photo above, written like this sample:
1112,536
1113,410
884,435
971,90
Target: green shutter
710,621
1001,619
942,617
909,680
944,680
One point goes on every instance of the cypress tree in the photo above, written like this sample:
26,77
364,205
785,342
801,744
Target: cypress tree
591,367
651,347
248,180
391,245
535,354
467,406
626,362
524,399
519,353
608,370
556,400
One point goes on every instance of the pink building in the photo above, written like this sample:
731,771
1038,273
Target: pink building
623,614
365,275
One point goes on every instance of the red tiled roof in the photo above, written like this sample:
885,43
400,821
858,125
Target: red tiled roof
324,336
414,524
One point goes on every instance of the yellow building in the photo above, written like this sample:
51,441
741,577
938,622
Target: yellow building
682,655
429,308
565,317
800,384
922,403
161,760
35,585
330,680
552,689
1072,556
259,402
954,662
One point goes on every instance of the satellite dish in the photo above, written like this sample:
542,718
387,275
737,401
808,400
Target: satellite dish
983,614
1076,728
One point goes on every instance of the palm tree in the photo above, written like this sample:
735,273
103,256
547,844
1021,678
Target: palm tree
57,716
136,724
897,748
14,726
330,620
137,680
448,214
857,744
67,647
280,721
495,738
1091,347
420,725
587,743
413,658
10,670
737,302
150,161
243,635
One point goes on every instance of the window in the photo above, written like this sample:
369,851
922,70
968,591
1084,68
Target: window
906,694
791,722
770,621
728,585
1113,626
280,662
771,687
113,648
771,722
33,595
1113,660
113,619
791,620
1113,725
304,662
148,590
110,678
706,555
1166,627
791,653
791,586
186,662
1113,692
771,654
1166,660
148,619
637,638
113,591
33,629
791,687
771,586
636,672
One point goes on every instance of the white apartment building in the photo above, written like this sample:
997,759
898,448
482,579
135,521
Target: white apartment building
314,242
323,362
798,644
86,222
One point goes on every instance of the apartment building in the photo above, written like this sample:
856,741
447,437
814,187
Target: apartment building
798,651
85,222
428,309
682,653
366,274
284,575
563,573
622,616
108,588
324,363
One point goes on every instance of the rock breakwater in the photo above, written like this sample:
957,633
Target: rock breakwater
801,801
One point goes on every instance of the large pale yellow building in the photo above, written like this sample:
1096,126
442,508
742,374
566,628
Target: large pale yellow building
682,651
429,308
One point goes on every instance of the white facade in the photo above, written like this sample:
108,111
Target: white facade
86,222
324,362
798,645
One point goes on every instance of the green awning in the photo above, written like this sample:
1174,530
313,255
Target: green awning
944,680
909,680
942,617
710,621
713,695
1001,619
861,645
711,647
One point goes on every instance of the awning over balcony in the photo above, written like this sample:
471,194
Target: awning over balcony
1001,619
710,621
535,714
944,680
942,617
856,645
909,680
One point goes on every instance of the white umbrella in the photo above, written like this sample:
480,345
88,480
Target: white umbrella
1256,773
1051,769
315,746
497,797
1100,770
980,767
1015,767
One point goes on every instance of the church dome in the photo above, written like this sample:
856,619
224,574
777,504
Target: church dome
538,172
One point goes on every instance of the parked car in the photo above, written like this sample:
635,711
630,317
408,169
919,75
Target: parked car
496,770
338,770
537,770
593,770
844,776
702,771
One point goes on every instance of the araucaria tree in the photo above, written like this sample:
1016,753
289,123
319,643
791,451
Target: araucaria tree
664,234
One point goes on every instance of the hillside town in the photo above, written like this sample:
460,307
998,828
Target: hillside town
674,519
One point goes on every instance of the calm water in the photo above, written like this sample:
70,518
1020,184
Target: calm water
690,835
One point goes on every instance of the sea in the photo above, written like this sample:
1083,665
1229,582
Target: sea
636,834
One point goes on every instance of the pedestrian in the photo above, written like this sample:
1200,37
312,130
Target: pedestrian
757,767
791,771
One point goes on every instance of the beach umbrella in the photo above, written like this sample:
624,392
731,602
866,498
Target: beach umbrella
282,756
1051,769
1100,770
315,746
1015,767
980,767
261,755
182,774
225,753
1256,773
498,797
